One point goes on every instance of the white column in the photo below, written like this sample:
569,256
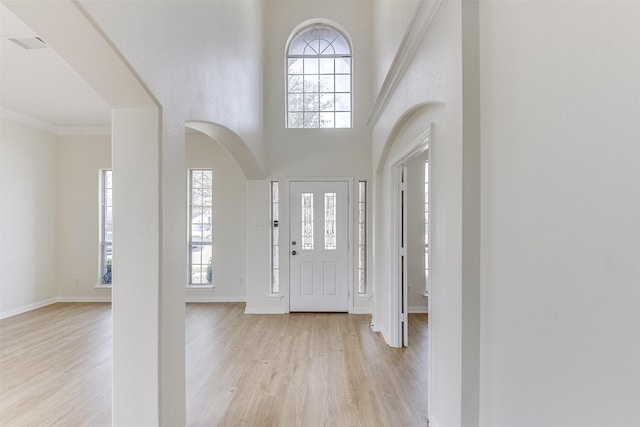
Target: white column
148,311
173,278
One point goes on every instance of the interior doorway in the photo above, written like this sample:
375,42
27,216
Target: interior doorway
409,237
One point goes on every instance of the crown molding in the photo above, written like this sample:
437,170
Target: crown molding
418,27
53,129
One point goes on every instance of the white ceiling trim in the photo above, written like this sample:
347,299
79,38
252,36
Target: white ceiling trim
52,129
418,27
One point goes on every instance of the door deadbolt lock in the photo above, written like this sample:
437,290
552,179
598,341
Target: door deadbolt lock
293,243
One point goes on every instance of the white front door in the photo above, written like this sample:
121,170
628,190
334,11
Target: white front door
319,246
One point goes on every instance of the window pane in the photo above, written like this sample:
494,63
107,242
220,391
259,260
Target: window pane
295,83
196,264
325,47
326,65
343,65
362,282
343,102
307,220
295,66
275,280
201,264
106,263
326,83
326,102
327,120
343,83
330,231
343,120
295,120
311,102
310,82
311,120
341,46
108,224
311,66
296,102
297,46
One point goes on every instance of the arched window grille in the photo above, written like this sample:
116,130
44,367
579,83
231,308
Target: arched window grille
319,79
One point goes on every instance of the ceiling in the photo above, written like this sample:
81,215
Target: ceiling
38,87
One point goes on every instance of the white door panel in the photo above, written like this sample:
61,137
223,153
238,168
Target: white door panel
319,246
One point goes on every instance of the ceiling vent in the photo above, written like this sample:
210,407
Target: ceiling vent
32,42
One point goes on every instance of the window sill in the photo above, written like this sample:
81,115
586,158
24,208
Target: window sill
200,286
103,286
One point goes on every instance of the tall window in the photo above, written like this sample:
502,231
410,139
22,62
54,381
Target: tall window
106,226
426,227
362,237
275,239
319,79
200,236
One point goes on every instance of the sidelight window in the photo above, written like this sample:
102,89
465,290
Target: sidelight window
427,279
106,227
362,237
200,227
275,238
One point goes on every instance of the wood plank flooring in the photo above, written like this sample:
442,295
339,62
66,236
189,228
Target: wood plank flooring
242,370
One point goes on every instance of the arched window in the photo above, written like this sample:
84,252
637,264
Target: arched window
319,79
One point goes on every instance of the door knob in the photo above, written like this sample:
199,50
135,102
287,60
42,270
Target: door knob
293,252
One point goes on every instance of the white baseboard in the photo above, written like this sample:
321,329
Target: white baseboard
207,298
84,299
418,309
361,310
28,307
264,311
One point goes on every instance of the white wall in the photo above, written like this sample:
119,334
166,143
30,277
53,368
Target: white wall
390,21
229,220
561,214
79,159
430,92
206,65
27,217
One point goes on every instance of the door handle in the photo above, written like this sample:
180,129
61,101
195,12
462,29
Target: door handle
293,252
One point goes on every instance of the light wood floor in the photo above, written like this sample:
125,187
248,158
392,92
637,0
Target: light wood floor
242,370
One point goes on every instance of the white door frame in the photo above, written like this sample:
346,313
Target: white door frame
415,148
285,241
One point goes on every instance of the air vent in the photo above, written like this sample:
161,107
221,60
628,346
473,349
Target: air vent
32,42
